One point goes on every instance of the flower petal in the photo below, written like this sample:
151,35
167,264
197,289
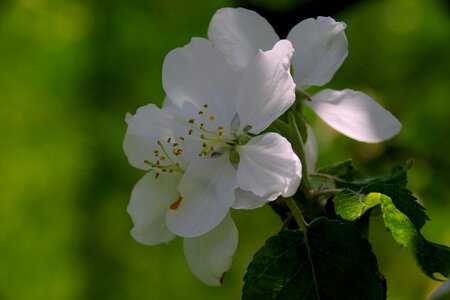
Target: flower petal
267,89
198,74
247,200
210,255
311,150
207,191
355,114
238,33
148,125
268,167
149,202
320,49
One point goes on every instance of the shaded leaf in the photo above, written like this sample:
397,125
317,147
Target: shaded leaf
344,176
341,171
333,261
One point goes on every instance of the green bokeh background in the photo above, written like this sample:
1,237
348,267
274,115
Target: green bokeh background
70,70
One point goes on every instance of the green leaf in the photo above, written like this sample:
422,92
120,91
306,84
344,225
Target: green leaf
351,205
430,257
331,261
344,176
403,199
341,171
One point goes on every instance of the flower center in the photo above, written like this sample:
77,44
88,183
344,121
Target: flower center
170,155
213,139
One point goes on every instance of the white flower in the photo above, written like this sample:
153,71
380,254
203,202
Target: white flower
204,153
320,49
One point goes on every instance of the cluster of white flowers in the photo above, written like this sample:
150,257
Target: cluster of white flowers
206,151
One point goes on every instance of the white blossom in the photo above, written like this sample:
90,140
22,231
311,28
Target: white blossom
204,151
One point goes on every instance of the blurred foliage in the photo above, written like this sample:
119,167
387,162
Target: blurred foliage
69,70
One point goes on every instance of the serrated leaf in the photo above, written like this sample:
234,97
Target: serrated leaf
403,200
332,261
344,176
430,257
339,171
351,205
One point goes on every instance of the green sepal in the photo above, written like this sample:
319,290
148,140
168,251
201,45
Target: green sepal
300,121
331,261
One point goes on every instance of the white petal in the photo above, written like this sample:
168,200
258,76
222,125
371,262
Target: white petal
207,188
247,200
442,292
199,74
320,49
148,125
311,150
268,167
149,202
239,33
267,89
355,114
210,255
167,102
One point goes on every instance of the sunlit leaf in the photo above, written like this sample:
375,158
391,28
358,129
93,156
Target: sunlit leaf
403,200
430,257
351,205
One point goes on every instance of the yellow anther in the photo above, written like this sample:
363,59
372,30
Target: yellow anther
212,118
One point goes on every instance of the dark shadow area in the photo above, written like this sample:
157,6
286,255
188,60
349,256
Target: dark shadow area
284,19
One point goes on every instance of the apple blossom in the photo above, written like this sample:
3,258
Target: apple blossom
205,154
